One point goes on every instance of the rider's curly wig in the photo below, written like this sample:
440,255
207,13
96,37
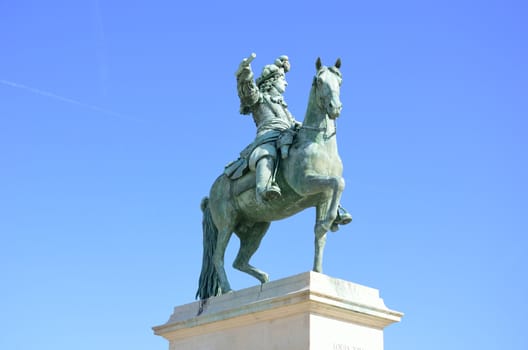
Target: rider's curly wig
267,84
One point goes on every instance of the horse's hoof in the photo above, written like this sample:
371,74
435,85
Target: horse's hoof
343,217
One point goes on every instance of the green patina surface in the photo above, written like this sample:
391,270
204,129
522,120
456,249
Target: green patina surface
289,167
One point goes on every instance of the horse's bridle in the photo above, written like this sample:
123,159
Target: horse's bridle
320,103
325,129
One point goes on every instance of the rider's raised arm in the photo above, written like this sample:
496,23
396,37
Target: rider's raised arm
248,91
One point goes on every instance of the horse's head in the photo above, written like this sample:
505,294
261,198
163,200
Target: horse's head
327,84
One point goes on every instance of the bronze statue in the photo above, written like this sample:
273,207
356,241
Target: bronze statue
275,124
308,172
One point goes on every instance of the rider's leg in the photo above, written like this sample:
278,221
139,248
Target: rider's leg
266,188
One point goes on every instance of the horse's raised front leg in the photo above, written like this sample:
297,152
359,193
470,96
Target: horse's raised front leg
326,212
218,258
333,186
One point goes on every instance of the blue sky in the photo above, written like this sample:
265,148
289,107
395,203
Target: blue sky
116,117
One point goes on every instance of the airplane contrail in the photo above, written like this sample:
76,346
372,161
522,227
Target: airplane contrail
63,99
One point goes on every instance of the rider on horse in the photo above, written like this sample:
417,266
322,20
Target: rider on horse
275,124
276,127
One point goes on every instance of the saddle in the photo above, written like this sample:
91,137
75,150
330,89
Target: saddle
279,139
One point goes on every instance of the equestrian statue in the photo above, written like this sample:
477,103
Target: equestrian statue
289,167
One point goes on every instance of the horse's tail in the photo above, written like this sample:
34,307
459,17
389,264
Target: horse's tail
209,284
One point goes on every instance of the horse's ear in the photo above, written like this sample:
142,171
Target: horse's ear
318,63
338,63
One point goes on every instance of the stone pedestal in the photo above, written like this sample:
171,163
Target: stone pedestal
304,312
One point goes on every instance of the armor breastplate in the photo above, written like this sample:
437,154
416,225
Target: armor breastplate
270,115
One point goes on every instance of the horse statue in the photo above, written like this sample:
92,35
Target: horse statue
311,176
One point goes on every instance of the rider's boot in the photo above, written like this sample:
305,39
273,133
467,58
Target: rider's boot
343,218
266,188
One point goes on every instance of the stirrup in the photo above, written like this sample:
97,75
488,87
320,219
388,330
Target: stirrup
343,217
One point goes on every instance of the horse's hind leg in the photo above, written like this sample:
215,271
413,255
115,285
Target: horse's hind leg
224,235
250,238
